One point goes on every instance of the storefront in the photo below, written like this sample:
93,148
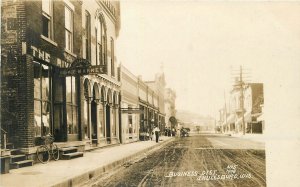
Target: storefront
100,114
70,100
55,82
55,97
143,131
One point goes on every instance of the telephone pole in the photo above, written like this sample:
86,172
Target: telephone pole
225,113
241,78
241,85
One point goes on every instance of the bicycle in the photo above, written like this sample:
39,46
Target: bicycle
44,152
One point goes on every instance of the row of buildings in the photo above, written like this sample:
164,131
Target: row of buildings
60,75
245,106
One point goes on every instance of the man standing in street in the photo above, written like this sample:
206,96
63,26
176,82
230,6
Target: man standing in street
156,132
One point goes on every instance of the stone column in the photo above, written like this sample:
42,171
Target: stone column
89,101
104,119
98,120
117,121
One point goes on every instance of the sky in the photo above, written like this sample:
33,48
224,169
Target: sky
200,45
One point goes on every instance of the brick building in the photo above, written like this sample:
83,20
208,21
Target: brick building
59,72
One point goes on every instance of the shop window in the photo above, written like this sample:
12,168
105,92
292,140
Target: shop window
101,121
42,103
47,19
85,120
130,123
68,29
71,105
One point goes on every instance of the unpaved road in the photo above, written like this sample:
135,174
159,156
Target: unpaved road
200,160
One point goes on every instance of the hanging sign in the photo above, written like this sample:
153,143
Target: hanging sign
89,70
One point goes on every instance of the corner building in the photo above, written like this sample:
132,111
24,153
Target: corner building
41,40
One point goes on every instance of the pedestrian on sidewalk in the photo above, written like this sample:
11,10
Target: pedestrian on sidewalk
156,132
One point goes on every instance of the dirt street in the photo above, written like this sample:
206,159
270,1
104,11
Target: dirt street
200,160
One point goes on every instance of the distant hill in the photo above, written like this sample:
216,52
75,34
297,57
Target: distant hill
193,119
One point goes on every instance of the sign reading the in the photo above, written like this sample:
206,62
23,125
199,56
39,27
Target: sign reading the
44,56
40,54
78,66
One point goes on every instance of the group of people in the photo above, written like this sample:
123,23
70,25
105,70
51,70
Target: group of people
170,132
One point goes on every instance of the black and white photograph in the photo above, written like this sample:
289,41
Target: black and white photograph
142,93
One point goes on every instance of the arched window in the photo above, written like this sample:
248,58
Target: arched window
101,42
112,58
87,36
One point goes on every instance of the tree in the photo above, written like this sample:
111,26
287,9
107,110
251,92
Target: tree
198,129
173,121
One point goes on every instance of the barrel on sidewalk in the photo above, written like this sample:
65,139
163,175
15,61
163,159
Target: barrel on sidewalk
5,161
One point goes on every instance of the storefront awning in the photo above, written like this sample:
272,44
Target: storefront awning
261,118
132,110
247,118
256,115
230,119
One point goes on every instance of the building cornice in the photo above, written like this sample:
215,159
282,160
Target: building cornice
109,80
109,9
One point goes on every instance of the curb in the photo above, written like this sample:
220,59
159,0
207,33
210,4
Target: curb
87,175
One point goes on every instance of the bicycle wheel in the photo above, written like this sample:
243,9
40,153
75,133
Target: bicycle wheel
55,152
43,154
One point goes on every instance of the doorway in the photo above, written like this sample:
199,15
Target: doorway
94,121
108,138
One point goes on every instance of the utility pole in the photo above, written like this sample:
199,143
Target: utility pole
225,113
241,84
240,78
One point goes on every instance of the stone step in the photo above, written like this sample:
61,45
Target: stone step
17,158
15,151
9,145
20,164
5,152
68,156
68,149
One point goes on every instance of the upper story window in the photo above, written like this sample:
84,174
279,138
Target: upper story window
68,29
87,37
47,19
112,48
101,43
